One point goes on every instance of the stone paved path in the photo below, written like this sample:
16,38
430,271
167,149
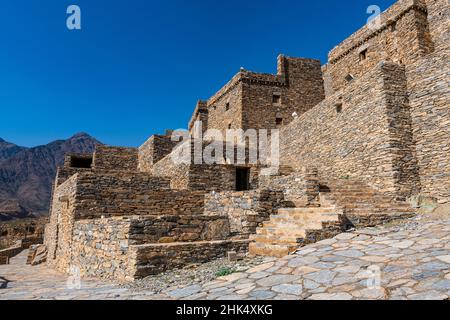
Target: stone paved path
407,262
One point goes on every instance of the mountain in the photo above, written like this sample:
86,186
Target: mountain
27,174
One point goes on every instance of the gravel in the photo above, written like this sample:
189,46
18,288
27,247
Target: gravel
192,274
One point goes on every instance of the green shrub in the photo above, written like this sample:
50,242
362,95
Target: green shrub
225,271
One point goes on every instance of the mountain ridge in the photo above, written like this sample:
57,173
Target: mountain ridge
26,174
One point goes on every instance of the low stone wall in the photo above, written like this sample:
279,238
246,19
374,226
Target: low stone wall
174,228
123,249
28,230
115,158
153,259
130,194
245,210
8,253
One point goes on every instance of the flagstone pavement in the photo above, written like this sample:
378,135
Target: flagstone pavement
408,261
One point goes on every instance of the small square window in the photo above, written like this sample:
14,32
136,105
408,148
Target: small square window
363,55
276,99
393,27
227,106
349,78
229,126
279,121
338,107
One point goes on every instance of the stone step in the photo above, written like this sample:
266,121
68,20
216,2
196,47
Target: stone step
271,250
306,211
289,230
290,240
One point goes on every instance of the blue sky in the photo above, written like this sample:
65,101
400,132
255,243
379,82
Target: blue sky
138,67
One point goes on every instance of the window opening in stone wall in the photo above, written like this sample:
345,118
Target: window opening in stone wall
363,55
339,107
349,78
393,27
278,121
276,99
81,162
242,179
227,106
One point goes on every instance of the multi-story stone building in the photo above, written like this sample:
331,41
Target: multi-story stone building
361,139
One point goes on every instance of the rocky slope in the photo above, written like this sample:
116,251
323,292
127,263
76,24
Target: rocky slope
26,174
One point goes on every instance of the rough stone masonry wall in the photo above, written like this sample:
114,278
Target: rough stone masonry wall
358,140
177,228
249,96
153,150
428,83
100,248
245,210
154,259
113,248
301,186
58,233
403,37
196,176
218,116
304,90
439,23
132,194
115,158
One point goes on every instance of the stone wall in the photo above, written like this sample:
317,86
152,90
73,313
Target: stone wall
125,248
439,23
200,115
58,233
131,194
428,84
10,252
195,176
301,187
100,248
115,158
255,100
403,37
153,150
23,229
177,228
357,132
245,210
156,258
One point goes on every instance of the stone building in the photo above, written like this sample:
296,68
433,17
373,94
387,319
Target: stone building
361,139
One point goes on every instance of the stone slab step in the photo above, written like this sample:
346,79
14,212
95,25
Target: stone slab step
290,240
271,250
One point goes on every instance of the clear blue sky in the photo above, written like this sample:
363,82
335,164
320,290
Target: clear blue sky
137,67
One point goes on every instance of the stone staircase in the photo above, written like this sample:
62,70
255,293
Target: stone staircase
342,204
294,227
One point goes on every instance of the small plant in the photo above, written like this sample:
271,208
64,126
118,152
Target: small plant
347,177
225,271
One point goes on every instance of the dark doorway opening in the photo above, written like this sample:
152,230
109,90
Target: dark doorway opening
242,179
81,162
